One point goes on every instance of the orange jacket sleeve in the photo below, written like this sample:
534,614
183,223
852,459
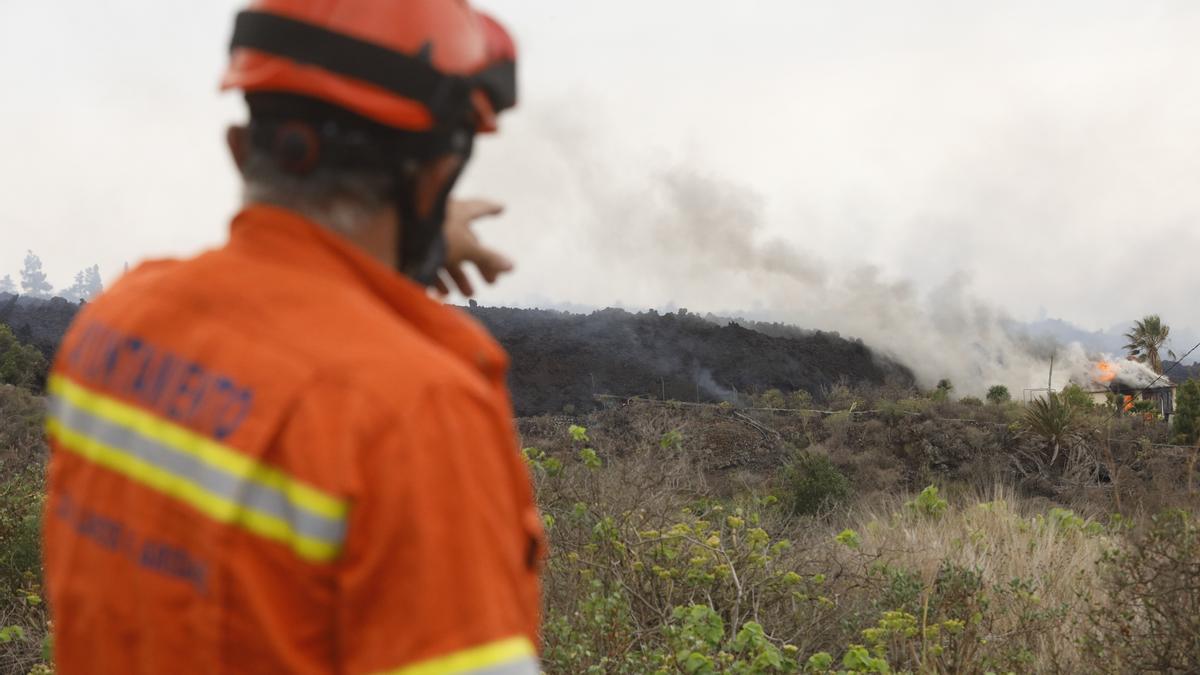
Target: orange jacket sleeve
440,569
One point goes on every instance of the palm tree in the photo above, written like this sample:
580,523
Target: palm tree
1145,339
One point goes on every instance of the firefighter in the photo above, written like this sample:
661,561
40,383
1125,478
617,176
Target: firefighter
284,455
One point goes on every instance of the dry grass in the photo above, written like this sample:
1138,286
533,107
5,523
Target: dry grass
1003,539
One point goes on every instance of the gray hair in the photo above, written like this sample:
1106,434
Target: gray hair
340,200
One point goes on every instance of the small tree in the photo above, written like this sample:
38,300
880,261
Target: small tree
998,394
1074,396
1187,413
92,284
772,398
87,285
33,279
20,365
74,292
813,485
942,393
7,285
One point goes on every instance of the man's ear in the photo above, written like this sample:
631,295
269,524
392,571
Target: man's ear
238,139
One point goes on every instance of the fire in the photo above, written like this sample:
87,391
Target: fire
1107,372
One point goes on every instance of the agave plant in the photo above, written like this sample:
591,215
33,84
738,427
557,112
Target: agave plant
1052,418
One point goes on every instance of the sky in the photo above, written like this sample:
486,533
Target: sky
809,161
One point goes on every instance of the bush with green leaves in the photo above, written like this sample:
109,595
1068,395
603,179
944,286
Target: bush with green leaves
943,390
1150,619
998,394
1075,397
771,398
20,365
1186,422
23,631
812,485
928,504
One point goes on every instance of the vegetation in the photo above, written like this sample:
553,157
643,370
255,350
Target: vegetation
654,573
22,455
1150,620
1187,413
33,279
20,365
1147,336
35,284
813,485
878,531
1052,418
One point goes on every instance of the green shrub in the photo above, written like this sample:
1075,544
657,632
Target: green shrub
1150,622
772,398
998,394
1187,413
1074,396
23,627
970,401
813,485
800,399
20,365
928,504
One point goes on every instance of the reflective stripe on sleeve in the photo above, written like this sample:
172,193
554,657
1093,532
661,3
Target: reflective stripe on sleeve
512,656
216,480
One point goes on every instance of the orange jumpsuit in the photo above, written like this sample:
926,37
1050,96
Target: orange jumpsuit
282,457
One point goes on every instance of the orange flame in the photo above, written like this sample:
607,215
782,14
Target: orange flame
1108,372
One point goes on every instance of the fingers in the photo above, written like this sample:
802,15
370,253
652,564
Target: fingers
491,264
462,246
461,280
472,209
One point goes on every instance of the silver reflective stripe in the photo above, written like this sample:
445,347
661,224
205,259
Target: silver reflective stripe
210,479
526,666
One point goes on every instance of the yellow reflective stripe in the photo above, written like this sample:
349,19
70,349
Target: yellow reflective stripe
491,655
205,449
217,508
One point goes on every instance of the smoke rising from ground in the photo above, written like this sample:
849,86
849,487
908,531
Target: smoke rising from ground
678,234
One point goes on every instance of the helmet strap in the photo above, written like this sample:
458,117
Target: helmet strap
421,244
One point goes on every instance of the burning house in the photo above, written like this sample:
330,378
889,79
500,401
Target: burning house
1127,383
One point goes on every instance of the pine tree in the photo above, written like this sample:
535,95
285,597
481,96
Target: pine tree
87,285
33,279
7,285
1187,413
92,284
74,292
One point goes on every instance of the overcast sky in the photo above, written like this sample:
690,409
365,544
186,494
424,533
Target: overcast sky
1041,157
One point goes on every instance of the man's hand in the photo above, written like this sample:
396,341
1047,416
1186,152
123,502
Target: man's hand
462,246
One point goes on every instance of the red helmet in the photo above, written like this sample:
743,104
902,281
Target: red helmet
414,65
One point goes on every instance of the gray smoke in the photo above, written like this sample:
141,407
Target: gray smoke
698,240
647,233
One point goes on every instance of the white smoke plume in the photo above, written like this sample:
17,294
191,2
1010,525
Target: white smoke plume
1096,371
646,236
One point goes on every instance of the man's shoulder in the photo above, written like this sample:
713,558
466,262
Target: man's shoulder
301,326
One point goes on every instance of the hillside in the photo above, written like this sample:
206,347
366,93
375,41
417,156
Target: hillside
40,323
561,360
